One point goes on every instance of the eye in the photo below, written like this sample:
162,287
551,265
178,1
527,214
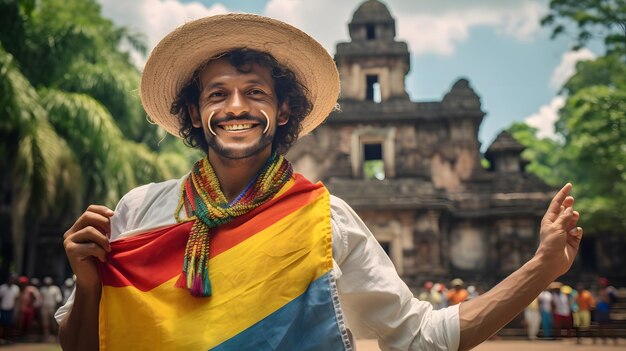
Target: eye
217,94
255,91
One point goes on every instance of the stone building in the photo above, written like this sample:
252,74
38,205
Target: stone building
412,170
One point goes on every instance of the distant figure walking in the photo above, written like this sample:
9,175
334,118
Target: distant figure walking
533,319
545,307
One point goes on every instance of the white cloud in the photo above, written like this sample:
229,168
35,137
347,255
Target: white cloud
441,33
567,66
428,27
545,118
426,30
155,18
325,20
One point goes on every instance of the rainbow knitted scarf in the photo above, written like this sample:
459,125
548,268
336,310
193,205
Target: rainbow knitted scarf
205,203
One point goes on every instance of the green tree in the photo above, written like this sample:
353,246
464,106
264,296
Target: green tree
590,20
72,130
593,123
590,148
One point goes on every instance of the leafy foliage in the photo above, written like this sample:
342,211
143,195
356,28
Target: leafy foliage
590,149
593,19
593,123
72,131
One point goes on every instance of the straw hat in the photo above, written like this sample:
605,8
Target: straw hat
457,282
555,285
174,60
566,289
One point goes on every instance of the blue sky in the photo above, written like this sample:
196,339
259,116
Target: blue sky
510,61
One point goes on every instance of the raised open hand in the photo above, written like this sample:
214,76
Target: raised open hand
559,235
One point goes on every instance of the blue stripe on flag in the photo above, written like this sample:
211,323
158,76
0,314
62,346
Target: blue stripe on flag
307,323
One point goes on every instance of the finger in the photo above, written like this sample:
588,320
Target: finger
576,232
574,237
557,201
568,202
565,217
91,235
94,219
86,250
102,210
572,223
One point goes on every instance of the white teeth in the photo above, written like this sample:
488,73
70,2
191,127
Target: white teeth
234,127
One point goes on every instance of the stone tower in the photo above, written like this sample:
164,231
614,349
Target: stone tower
373,64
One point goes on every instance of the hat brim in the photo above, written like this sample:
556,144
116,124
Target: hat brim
173,61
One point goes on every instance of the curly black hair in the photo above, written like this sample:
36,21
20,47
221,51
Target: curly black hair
287,87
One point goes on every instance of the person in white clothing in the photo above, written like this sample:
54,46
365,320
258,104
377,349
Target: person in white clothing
243,88
533,319
545,308
9,293
51,298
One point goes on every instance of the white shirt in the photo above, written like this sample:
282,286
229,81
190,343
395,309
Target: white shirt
8,296
561,304
51,296
376,303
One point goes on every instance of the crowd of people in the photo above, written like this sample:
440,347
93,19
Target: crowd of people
440,296
27,307
562,310
558,311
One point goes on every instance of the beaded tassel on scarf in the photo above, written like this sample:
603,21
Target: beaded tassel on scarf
203,199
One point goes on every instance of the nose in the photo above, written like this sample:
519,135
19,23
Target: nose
236,104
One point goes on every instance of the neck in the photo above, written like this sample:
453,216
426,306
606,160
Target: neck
235,174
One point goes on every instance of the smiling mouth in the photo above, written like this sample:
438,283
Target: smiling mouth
238,127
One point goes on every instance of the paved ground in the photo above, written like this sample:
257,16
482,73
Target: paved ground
369,345
522,345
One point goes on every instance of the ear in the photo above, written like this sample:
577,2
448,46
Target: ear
283,113
196,120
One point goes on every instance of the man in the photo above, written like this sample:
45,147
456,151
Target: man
457,294
532,317
586,303
269,261
561,309
51,298
545,307
30,301
9,293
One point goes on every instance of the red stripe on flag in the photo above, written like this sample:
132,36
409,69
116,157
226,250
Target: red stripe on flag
147,260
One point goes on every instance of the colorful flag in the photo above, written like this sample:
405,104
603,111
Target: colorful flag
271,272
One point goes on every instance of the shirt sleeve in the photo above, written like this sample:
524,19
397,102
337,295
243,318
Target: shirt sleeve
119,223
374,299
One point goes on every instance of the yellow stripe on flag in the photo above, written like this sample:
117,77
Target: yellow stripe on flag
250,281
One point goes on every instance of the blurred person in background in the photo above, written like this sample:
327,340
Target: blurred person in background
562,310
606,297
9,294
545,308
439,290
431,294
532,316
29,302
51,298
457,294
472,292
586,303
68,287
583,303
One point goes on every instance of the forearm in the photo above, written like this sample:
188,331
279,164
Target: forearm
482,316
79,330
